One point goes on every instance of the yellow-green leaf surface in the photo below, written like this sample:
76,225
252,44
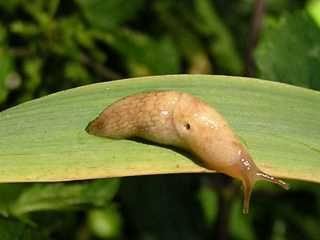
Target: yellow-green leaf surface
45,140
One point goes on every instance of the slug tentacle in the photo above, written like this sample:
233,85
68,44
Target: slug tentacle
247,190
266,177
248,185
184,121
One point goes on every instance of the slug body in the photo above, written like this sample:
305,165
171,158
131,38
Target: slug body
184,121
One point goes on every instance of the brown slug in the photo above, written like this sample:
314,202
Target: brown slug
184,121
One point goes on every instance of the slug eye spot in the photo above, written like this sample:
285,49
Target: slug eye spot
187,126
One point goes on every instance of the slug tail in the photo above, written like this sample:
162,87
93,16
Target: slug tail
94,127
88,128
263,176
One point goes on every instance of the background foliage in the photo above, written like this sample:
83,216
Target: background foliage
46,46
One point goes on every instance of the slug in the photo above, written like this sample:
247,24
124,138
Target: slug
184,121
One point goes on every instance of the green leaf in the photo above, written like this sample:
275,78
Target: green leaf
209,204
175,17
105,223
290,52
24,29
313,8
144,55
60,196
108,14
221,42
9,193
6,63
10,229
45,139
76,72
9,6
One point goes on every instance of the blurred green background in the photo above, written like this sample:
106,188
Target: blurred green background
51,45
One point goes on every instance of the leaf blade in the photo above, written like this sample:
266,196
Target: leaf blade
44,139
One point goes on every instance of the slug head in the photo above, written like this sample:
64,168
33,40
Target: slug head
204,131
249,173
